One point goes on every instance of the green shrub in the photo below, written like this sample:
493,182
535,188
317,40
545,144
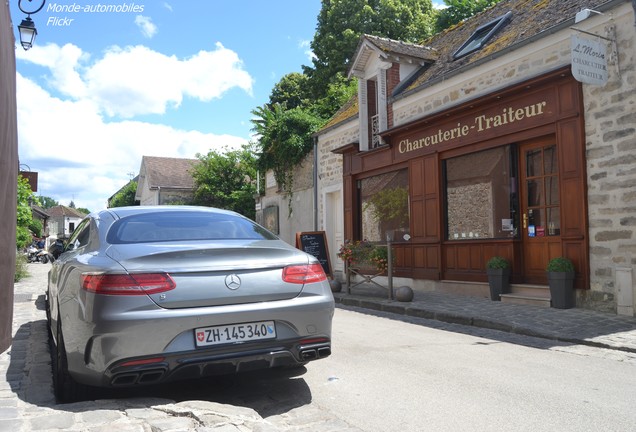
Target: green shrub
20,267
497,262
560,264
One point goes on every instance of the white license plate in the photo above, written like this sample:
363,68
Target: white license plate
234,333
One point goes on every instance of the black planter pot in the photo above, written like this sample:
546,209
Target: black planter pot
499,282
562,289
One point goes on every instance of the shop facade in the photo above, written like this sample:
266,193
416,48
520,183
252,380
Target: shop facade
504,155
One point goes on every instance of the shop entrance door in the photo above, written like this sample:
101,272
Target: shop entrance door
540,207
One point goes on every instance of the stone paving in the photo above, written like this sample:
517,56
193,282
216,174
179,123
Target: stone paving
27,402
26,388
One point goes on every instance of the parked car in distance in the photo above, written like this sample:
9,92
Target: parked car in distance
146,295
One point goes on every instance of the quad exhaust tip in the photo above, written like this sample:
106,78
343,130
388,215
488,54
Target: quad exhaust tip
315,353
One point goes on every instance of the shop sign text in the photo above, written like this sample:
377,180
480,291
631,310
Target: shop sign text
589,61
480,123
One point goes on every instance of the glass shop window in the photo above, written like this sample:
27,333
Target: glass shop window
481,195
385,207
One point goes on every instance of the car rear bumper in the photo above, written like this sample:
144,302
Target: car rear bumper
198,364
97,348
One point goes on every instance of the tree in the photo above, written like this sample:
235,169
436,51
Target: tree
47,202
227,180
342,22
24,216
83,210
459,10
291,91
126,196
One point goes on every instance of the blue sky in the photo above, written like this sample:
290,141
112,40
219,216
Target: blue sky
110,83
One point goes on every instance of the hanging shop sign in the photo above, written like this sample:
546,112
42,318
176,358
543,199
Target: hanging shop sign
589,60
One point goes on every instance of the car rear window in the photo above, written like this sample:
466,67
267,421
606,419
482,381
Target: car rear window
179,226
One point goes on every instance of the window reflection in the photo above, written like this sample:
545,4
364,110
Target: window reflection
385,207
481,199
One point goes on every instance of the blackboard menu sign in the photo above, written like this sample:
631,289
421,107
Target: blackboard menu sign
315,243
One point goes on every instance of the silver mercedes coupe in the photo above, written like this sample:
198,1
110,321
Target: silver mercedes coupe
146,295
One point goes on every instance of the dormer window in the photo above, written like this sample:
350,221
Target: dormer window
480,36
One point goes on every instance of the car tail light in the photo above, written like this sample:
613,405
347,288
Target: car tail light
301,274
127,284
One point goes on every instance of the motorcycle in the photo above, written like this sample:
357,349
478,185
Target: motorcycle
44,256
33,255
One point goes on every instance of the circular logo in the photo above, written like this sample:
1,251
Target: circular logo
233,282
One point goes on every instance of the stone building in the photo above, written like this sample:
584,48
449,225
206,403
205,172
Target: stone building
512,134
165,180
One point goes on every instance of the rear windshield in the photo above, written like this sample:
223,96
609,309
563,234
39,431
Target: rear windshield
179,226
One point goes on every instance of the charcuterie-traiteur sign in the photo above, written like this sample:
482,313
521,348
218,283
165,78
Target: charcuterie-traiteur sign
480,123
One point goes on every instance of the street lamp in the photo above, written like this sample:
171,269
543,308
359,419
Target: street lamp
27,26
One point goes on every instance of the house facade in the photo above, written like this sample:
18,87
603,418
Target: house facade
164,180
62,221
510,134
285,215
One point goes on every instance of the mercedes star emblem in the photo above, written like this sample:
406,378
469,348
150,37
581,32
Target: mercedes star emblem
233,282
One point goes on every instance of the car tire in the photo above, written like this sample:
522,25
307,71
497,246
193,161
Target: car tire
66,389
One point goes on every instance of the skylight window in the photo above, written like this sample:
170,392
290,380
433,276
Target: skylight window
479,38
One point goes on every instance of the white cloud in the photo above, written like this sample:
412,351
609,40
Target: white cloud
145,24
306,45
77,128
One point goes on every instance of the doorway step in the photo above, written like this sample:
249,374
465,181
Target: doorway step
535,295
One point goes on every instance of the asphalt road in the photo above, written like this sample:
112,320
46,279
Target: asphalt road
387,374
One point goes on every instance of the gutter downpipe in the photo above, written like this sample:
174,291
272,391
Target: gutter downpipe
315,174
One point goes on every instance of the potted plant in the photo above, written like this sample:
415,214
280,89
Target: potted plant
498,271
561,281
364,255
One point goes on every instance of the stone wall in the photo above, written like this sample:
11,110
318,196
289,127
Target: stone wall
295,214
610,129
8,173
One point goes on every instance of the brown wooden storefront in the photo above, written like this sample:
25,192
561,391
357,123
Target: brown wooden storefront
541,121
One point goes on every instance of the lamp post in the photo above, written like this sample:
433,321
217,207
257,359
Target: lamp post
27,26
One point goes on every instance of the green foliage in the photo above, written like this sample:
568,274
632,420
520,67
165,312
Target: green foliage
47,202
338,92
83,210
24,217
291,91
20,268
459,10
284,139
126,196
226,180
35,226
341,23
560,264
390,205
497,262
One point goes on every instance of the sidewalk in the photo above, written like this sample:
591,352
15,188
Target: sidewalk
576,326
